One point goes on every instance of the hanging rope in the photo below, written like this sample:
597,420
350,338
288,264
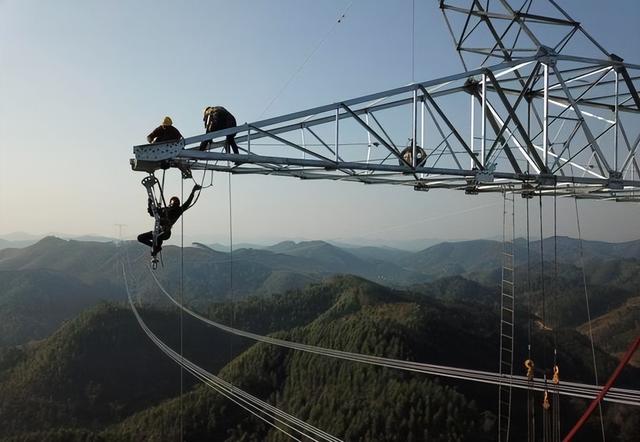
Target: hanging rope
164,203
586,299
546,421
181,313
555,409
413,41
531,421
306,60
542,285
545,404
233,305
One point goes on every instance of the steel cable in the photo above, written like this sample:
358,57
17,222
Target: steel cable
623,396
229,390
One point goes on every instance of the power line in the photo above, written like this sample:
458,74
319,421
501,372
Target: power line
624,396
237,395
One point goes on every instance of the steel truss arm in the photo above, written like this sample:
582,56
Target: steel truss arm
553,88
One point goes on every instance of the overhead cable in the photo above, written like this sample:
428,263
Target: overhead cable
251,403
574,389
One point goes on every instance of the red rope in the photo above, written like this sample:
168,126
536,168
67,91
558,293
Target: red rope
604,391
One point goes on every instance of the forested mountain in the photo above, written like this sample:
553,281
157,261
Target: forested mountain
614,330
481,256
34,302
97,369
100,378
72,275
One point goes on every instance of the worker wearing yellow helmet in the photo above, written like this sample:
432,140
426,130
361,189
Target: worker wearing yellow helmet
164,133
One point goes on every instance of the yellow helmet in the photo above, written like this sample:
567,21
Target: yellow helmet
167,121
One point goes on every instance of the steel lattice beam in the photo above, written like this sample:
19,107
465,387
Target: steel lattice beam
542,120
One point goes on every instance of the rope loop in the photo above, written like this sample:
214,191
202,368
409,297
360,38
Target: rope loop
556,374
529,366
545,403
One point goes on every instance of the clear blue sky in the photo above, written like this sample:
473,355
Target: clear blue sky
83,81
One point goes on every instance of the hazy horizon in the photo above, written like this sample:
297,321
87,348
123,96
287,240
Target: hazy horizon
408,245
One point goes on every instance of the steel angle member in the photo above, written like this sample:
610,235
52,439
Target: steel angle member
484,176
544,179
421,187
472,186
528,191
615,181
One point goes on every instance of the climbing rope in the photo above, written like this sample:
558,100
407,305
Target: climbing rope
586,298
413,41
164,203
531,423
546,420
545,404
233,305
555,409
181,313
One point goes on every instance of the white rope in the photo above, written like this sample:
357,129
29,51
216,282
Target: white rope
306,60
586,298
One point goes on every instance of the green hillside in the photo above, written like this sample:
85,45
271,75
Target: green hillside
615,330
33,303
100,378
359,402
352,401
98,369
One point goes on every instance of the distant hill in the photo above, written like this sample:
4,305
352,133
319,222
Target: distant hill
615,330
8,244
207,271
336,260
33,303
481,256
91,262
19,240
455,258
387,254
93,271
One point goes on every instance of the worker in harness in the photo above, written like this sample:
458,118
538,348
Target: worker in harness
168,217
218,118
164,133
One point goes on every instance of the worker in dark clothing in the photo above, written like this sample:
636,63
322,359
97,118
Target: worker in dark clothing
164,133
218,118
168,217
